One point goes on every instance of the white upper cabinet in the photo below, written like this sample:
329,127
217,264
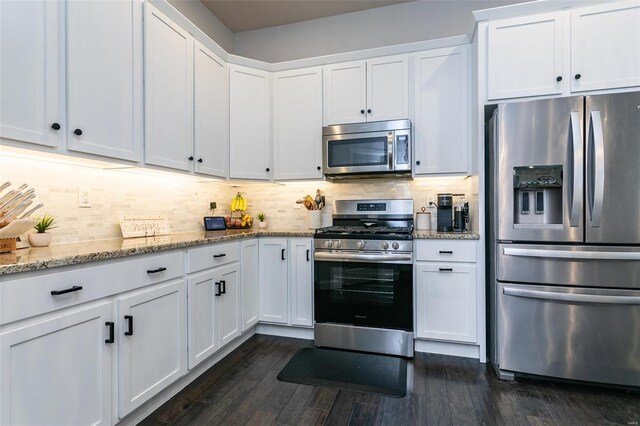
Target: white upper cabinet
104,74
526,56
249,116
297,124
345,93
387,88
31,55
441,132
211,152
372,90
605,46
168,92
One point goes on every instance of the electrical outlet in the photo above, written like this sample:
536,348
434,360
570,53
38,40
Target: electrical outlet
84,197
431,200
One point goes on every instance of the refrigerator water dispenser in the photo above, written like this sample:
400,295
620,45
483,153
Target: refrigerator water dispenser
537,195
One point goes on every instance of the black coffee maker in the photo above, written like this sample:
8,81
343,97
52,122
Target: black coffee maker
460,213
445,204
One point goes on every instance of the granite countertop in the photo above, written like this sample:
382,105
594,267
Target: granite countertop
435,235
33,259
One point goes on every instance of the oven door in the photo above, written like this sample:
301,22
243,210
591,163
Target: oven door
367,294
358,153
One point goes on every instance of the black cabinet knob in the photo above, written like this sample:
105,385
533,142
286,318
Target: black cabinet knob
199,160
319,168
191,158
559,78
77,132
418,163
361,111
268,169
55,126
578,76
369,111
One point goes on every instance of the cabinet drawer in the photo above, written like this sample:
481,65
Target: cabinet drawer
446,251
26,297
212,256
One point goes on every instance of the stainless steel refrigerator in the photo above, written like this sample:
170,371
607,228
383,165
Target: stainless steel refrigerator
563,185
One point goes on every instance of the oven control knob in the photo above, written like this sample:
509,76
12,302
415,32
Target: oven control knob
337,244
328,243
395,246
385,245
360,244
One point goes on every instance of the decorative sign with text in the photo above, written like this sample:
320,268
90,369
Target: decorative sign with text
144,226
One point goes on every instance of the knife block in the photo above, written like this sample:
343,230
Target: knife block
7,245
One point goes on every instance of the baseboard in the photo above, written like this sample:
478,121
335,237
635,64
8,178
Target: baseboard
447,348
153,404
285,331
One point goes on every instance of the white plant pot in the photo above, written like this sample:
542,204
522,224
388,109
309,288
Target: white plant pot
39,239
262,225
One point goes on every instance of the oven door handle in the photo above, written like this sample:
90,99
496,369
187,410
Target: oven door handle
324,256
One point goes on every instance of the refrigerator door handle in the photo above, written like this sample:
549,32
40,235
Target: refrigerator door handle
568,254
597,181
569,297
578,171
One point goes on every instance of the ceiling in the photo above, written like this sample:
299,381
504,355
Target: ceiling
247,15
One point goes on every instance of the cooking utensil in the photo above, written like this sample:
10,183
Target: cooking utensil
17,199
5,186
15,211
30,212
7,196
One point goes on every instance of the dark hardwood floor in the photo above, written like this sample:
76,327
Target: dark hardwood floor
442,390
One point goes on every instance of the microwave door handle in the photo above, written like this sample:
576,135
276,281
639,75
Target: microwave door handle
390,150
578,171
598,176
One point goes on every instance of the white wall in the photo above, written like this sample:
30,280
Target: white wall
384,26
202,17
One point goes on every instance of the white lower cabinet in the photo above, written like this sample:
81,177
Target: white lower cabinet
446,301
250,277
58,371
152,332
286,285
214,300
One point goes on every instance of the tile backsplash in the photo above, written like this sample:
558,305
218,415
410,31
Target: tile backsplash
185,199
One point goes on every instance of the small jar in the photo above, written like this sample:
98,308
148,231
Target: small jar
423,220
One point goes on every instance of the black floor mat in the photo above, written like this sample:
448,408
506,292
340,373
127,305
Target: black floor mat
384,375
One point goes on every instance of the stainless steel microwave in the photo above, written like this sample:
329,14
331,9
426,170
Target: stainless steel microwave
367,149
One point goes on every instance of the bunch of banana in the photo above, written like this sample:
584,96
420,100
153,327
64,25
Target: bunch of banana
239,203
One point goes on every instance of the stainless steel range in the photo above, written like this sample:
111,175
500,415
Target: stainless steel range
363,284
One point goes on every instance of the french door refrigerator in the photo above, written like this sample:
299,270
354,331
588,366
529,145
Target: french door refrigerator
563,181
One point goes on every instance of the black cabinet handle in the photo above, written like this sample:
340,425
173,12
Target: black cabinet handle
77,132
129,319
67,290
369,111
190,158
268,169
155,271
418,163
361,111
282,254
446,269
446,252
559,78
55,126
199,160
111,326
578,76
224,287
219,255
319,168
218,292
308,259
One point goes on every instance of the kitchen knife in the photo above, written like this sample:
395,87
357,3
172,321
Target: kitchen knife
13,213
5,186
30,212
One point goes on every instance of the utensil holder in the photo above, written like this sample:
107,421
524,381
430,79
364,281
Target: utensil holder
314,219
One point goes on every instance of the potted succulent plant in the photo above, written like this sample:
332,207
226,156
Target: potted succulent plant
262,223
41,238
